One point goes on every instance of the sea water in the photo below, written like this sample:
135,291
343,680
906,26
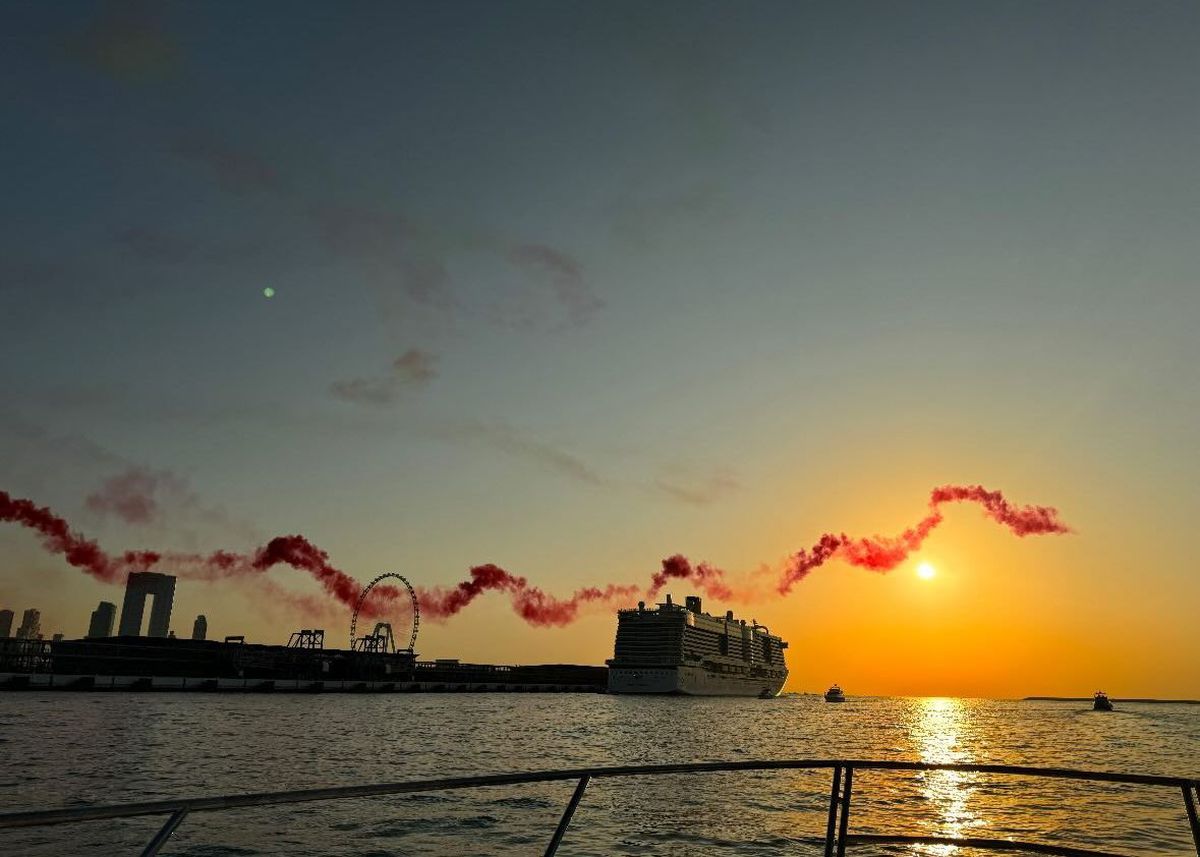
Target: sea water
74,749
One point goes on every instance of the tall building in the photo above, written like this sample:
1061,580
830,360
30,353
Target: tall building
31,625
6,617
200,628
140,585
103,619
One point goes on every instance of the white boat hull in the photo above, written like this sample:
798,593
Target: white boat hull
691,681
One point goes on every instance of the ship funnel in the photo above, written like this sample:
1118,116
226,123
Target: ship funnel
692,602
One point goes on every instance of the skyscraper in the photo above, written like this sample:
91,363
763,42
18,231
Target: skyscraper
103,618
141,584
31,625
200,628
6,619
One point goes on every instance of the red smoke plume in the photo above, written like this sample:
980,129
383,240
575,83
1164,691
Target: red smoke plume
78,551
877,553
883,553
530,602
708,578
300,553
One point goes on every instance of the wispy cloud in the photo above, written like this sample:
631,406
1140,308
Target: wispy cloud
236,170
644,220
549,289
390,243
128,41
152,245
700,491
43,460
517,443
350,230
413,368
508,281
563,274
29,441
136,495
147,496
158,247
19,274
685,484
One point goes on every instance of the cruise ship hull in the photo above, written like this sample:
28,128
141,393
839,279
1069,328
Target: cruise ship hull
690,681
681,650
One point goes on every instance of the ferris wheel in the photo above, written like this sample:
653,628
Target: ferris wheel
416,610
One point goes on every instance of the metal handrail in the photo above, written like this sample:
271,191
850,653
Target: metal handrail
836,839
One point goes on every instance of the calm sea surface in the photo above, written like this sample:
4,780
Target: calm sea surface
61,750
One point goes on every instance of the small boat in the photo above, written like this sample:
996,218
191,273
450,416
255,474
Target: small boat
1101,702
834,694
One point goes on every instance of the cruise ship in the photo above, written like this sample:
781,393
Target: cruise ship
683,650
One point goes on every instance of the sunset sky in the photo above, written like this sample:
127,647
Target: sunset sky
573,287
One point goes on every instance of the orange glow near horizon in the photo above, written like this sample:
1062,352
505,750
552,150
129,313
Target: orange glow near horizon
1016,617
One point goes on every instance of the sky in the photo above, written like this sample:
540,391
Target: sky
573,287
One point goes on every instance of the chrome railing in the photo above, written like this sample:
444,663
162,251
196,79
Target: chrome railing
837,833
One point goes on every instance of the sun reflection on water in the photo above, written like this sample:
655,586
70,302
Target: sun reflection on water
935,731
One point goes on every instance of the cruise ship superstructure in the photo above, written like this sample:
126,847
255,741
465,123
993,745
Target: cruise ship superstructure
683,650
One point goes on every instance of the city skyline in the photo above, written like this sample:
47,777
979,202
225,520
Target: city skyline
570,291
101,622
140,586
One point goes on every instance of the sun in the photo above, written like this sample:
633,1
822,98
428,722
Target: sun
925,571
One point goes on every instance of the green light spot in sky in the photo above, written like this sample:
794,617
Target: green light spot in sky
268,292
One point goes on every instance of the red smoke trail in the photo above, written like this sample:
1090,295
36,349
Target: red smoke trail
78,551
883,553
537,608
297,552
878,553
530,602
1022,520
85,554
300,553
707,577
440,603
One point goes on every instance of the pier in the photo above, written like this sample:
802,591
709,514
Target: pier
146,664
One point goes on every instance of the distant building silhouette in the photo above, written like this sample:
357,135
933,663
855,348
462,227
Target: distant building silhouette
103,619
141,584
6,620
31,625
200,628
56,637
